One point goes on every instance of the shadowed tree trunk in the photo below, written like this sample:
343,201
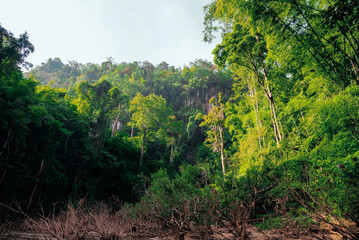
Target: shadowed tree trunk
114,127
143,146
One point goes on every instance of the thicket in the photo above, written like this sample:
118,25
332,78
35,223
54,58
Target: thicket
268,135
73,130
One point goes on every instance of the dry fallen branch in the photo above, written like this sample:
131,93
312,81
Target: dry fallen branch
327,216
76,222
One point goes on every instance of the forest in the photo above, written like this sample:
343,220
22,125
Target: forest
265,137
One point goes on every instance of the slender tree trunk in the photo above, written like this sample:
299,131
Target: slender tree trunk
171,155
271,101
269,94
355,68
306,130
333,63
3,175
263,82
255,107
275,121
143,147
222,150
114,127
273,114
31,196
6,147
35,187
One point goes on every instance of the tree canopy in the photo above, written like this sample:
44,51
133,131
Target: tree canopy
271,127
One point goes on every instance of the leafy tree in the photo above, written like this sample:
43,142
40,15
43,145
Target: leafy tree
148,115
98,102
171,133
16,96
13,51
242,50
215,120
330,50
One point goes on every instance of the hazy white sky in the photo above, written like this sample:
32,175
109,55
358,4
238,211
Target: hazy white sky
127,30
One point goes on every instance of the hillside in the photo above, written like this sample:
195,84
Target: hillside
267,135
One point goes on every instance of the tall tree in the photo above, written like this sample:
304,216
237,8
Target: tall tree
13,51
331,51
98,102
239,49
148,114
215,120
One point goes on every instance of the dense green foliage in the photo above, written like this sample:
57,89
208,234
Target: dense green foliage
72,130
292,119
271,129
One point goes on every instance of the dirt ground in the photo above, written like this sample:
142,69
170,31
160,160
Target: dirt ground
252,233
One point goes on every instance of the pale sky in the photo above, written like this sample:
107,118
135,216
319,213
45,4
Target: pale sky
127,30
